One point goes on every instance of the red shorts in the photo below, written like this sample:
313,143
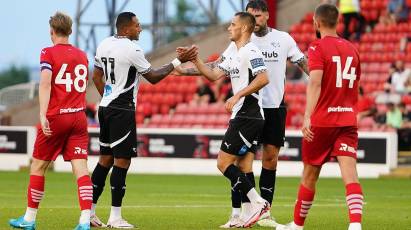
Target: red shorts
330,142
69,137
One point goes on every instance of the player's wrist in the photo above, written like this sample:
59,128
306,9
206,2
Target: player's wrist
176,62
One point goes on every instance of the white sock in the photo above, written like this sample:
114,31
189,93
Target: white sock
115,213
354,226
93,209
85,216
254,196
30,214
236,212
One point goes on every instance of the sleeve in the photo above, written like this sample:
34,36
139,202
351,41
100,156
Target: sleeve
138,60
46,61
315,57
256,61
294,53
97,61
223,65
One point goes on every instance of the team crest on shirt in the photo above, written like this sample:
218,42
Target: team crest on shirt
275,44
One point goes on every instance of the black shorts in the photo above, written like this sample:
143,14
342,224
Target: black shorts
118,135
274,126
242,136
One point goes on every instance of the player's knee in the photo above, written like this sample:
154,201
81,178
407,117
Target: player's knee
106,161
221,165
122,162
270,162
38,167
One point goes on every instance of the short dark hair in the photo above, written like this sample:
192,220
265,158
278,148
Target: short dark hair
124,19
327,14
248,18
258,5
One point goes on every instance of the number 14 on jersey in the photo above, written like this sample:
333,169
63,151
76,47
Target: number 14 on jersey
348,72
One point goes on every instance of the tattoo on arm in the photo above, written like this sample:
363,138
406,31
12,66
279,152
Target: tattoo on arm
302,63
154,76
194,71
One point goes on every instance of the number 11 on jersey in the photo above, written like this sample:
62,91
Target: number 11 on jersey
344,74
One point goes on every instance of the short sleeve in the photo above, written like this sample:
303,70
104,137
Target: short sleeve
223,65
315,57
256,61
138,60
294,53
97,61
46,61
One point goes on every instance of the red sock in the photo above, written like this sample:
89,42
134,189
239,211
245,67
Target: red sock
354,199
35,191
303,204
85,192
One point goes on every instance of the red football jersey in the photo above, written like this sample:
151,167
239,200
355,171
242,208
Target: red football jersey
69,66
340,61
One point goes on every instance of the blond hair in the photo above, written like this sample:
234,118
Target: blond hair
61,24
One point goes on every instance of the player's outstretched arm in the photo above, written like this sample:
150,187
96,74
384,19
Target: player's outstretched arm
98,75
44,99
313,93
192,70
259,82
156,75
303,65
211,74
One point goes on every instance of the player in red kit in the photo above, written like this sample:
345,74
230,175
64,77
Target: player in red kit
62,92
330,125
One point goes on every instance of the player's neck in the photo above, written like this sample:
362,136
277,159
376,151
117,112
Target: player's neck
329,33
61,40
262,32
242,42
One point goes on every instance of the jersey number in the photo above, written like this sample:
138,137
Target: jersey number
111,61
64,78
348,73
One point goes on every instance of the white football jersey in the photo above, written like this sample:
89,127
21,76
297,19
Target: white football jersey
123,63
276,46
242,65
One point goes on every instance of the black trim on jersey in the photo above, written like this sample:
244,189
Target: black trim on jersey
250,108
124,100
131,76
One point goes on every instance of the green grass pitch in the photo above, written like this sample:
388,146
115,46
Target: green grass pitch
155,202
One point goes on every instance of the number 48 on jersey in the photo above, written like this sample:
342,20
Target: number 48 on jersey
80,72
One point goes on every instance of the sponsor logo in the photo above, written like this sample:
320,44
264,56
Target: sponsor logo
312,47
270,55
340,109
107,90
236,183
5,144
78,150
243,150
70,110
346,148
234,71
257,62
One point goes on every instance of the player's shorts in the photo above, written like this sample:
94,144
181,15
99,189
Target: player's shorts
330,142
69,137
118,135
242,136
274,126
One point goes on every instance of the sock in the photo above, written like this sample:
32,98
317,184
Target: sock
93,209
250,177
235,197
85,192
115,213
267,184
236,212
85,216
99,180
303,204
118,185
30,214
237,178
354,199
35,193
